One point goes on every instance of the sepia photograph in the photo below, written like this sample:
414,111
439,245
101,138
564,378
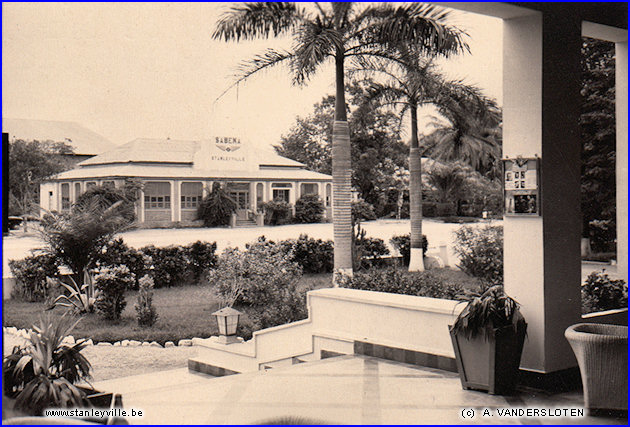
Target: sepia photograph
314,213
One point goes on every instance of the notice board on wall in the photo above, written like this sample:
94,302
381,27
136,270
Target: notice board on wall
521,186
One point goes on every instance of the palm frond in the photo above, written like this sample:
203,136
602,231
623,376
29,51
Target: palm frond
248,21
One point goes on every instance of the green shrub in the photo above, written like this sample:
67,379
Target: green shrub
168,265
111,284
31,272
313,255
145,312
397,281
371,250
277,213
116,252
601,293
403,246
362,211
262,281
480,250
216,208
309,209
201,258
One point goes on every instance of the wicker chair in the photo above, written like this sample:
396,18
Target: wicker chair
602,354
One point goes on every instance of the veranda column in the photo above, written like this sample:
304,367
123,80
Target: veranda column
621,113
541,89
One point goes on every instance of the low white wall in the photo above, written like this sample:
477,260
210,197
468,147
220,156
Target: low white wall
337,318
401,321
618,316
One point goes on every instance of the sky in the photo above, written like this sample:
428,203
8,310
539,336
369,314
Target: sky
152,70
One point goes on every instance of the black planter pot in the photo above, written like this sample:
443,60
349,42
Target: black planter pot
490,363
104,401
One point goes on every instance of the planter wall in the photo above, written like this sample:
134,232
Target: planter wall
490,363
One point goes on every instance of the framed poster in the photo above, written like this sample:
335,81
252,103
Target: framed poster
521,186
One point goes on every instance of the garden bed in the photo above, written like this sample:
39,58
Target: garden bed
184,312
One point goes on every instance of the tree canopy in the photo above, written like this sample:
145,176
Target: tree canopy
377,151
597,126
30,163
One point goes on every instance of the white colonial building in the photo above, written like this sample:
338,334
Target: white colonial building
176,175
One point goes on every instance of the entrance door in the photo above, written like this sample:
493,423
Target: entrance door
241,197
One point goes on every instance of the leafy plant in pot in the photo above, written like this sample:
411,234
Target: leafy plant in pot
43,372
488,337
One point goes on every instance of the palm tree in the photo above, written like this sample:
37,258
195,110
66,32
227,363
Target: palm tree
410,83
337,32
473,134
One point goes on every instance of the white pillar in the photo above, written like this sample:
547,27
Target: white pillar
140,205
621,113
541,82
175,201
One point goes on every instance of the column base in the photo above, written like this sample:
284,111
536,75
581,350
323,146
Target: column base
416,260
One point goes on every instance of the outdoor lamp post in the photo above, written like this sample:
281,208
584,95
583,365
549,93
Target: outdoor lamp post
227,320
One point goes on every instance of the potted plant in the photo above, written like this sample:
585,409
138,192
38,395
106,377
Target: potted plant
43,372
488,337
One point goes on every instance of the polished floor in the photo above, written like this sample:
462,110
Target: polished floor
340,390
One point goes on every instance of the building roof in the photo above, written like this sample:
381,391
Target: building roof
184,172
84,141
216,158
145,150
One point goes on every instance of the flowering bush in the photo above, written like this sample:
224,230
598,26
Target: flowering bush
145,312
111,283
116,253
31,273
266,281
481,252
601,293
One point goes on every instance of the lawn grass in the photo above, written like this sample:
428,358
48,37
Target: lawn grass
183,312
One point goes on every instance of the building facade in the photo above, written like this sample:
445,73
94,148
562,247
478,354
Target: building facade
177,175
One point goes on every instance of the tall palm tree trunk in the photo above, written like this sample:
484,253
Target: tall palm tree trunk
416,260
342,177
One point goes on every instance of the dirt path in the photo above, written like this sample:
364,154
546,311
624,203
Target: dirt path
117,362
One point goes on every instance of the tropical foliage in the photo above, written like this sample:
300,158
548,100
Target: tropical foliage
216,208
41,373
76,238
488,310
337,33
472,133
105,196
79,298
